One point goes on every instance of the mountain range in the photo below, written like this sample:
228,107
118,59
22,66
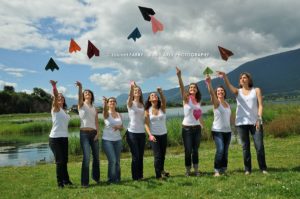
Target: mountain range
274,74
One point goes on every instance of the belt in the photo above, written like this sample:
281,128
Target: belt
192,126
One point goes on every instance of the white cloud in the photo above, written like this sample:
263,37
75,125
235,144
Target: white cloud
17,72
250,29
4,83
27,91
62,89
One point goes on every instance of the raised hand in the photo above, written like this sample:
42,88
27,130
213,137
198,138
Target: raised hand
78,84
132,83
53,83
104,100
159,90
207,79
178,71
221,74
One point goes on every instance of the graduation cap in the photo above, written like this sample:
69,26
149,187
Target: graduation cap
225,53
156,25
135,34
207,71
92,50
74,47
51,65
146,12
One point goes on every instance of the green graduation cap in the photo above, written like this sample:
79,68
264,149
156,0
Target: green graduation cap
207,71
51,65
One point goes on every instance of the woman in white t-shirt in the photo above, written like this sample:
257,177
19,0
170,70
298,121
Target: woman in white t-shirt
135,134
248,119
221,128
58,138
155,125
111,138
89,134
191,125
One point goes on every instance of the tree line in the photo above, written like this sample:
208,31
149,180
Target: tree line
21,102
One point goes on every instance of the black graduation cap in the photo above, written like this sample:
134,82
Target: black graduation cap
51,65
135,34
92,50
146,12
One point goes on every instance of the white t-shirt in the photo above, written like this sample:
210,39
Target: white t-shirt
221,121
157,122
108,132
60,121
87,116
189,118
136,118
247,108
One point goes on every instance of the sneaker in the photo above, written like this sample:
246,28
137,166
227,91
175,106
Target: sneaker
187,173
60,185
165,174
264,172
247,173
217,174
68,183
84,186
197,173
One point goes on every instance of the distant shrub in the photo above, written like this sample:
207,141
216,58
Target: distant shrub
284,126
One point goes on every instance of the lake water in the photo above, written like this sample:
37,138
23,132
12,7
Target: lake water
19,154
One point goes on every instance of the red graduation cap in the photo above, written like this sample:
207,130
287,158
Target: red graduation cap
225,53
74,47
156,25
92,50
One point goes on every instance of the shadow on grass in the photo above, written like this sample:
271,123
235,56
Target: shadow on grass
270,170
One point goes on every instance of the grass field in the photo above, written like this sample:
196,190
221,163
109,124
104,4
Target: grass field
282,156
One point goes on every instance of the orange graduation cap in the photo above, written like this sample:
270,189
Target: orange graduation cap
92,50
225,53
156,25
74,47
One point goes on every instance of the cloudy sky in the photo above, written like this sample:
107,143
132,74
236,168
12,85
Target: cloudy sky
32,31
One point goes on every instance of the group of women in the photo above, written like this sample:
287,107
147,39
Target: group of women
150,118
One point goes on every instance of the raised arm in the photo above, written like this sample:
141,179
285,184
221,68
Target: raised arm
55,105
80,96
213,96
105,108
163,100
147,126
233,89
130,95
182,91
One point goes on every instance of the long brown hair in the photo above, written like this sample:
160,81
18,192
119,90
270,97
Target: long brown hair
198,94
91,92
141,100
248,75
148,104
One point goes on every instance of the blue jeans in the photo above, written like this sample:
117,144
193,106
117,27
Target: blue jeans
244,131
87,142
136,142
222,141
159,151
113,150
59,147
191,136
